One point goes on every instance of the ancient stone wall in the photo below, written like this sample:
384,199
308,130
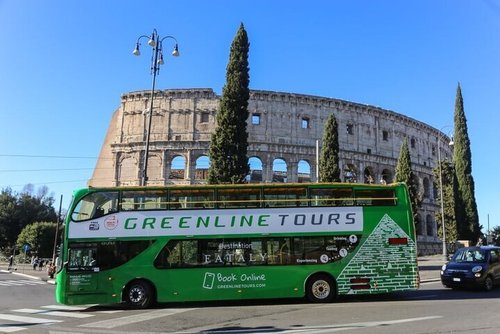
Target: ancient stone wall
283,128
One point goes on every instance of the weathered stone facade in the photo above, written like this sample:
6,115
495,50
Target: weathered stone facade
283,128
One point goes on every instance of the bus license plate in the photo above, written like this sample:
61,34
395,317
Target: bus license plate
456,279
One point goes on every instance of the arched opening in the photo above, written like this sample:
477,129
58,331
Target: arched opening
429,225
201,167
127,171
255,175
350,173
418,225
279,170
304,171
178,168
427,188
368,176
386,176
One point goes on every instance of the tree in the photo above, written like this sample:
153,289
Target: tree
405,174
19,210
40,236
467,215
495,234
229,142
8,209
450,189
329,170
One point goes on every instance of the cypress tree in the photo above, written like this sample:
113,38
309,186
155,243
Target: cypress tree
329,170
405,174
229,142
467,215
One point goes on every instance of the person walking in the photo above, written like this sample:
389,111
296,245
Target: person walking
11,262
51,269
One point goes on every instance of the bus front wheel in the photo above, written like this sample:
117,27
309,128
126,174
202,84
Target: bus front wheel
320,289
139,294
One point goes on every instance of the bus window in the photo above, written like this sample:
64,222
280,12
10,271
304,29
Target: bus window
144,200
178,254
331,197
95,205
285,197
82,258
191,198
277,250
238,197
375,197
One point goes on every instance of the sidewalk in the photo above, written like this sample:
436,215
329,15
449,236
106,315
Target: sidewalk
428,266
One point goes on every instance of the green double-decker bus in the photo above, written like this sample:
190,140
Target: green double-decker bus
142,245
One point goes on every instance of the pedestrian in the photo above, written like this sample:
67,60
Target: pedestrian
35,263
11,262
40,264
51,269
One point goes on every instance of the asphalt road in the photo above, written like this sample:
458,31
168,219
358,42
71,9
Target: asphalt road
27,306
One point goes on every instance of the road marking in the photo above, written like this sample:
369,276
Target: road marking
79,308
27,320
10,329
54,313
321,329
68,307
20,282
112,323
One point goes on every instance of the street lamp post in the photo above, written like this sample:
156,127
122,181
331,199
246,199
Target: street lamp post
156,42
441,193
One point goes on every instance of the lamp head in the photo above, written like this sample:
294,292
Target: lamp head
152,42
176,53
136,51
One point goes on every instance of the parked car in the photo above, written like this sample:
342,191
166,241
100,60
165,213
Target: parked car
473,267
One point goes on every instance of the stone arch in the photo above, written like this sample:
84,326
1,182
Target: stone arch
280,170
127,170
201,167
427,188
256,170
418,224
386,176
304,171
368,176
155,167
429,225
350,173
178,168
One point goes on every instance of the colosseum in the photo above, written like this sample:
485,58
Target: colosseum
284,131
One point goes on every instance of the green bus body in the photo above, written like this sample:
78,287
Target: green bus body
174,244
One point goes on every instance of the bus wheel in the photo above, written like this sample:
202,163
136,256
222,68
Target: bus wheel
139,295
320,289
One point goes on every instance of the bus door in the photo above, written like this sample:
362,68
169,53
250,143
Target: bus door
82,269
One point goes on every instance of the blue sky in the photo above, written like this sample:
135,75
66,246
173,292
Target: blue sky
64,65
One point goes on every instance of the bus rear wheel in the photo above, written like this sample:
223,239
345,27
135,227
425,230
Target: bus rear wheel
139,295
320,289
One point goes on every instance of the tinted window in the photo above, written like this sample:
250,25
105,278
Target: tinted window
104,255
95,205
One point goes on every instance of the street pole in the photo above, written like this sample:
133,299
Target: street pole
156,42
441,197
57,231
440,171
